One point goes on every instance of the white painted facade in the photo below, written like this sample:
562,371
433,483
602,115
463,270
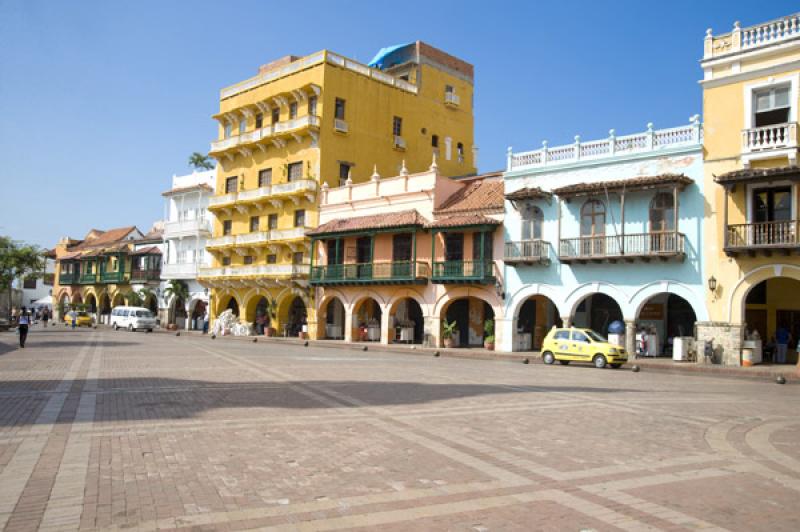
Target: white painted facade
186,231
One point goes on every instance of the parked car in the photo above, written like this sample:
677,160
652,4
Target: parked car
83,319
132,318
581,345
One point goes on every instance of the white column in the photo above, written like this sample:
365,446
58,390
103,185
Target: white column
348,324
385,325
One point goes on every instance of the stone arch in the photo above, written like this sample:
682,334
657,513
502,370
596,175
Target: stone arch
406,319
91,301
224,301
333,324
104,307
693,297
77,299
117,300
366,317
251,300
738,296
471,312
293,312
331,293
363,296
197,311
516,301
397,297
458,293
585,290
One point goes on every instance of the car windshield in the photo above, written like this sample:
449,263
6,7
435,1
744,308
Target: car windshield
144,314
595,336
84,314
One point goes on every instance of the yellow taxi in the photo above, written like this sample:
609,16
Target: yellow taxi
83,319
581,345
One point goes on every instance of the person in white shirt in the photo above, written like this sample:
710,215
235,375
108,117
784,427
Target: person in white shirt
22,325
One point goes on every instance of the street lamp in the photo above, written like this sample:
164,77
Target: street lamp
712,283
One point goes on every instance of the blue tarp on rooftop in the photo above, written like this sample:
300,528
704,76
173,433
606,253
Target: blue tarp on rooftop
377,61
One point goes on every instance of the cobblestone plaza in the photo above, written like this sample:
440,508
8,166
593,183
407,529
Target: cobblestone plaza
104,430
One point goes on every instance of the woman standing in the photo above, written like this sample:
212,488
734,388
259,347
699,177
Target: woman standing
22,325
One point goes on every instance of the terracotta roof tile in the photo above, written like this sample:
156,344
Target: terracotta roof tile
462,220
637,183
377,221
755,174
528,193
481,194
152,250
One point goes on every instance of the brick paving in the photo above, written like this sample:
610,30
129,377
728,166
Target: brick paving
110,431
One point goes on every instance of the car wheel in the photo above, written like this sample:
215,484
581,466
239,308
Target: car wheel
615,366
548,357
115,326
564,362
130,328
149,330
599,361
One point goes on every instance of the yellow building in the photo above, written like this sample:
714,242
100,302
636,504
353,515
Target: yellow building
305,121
750,103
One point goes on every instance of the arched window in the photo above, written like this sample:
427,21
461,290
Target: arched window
593,218
662,213
532,219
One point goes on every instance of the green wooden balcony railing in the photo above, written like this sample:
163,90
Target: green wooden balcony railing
397,272
68,278
88,278
112,277
464,271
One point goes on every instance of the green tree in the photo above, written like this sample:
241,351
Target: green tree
198,161
134,299
146,293
17,260
177,289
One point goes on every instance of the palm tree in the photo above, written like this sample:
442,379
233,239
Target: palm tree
177,289
134,299
146,293
199,161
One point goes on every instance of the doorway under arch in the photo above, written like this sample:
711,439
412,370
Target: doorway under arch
91,303
470,314
296,317
334,319
197,310
596,312
407,324
367,315
105,309
772,308
661,319
537,315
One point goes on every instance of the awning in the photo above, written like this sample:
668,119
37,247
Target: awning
377,61
637,183
528,193
759,174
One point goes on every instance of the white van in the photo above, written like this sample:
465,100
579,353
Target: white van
132,318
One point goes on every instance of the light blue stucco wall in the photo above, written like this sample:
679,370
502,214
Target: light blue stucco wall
630,284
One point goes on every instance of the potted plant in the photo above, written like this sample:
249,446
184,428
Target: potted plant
488,339
271,313
449,330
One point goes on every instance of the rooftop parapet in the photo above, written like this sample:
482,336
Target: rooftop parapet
757,36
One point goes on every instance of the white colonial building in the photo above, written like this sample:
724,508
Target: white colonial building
188,225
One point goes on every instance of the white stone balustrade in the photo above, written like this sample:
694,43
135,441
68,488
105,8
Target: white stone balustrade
613,146
266,132
255,194
752,37
771,137
251,270
227,240
222,199
301,185
186,228
179,271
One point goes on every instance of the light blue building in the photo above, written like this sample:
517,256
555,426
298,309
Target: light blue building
605,230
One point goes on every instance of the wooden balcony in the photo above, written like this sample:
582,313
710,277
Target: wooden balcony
112,277
398,272
527,252
762,238
88,278
66,279
464,271
145,275
642,246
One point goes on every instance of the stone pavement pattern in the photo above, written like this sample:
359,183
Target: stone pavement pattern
104,430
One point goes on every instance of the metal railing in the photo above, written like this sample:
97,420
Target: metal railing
653,244
186,227
463,270
180,270
68,278
527,251
370,272
112,277
764,234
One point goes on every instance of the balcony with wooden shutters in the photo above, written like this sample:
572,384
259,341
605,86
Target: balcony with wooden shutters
752,237
661,245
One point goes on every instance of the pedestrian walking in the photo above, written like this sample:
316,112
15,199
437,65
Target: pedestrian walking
205,322
782,341
23,322
45,316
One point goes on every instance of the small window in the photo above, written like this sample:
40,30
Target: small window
448,89
295,171
276,115
339,109
300,218
272,259
397,126
29,284
312,106
435,141
226,261
771,106
344,173
227,227
593,218
578,336
248,259
532,220
292,110
265,177
272,222
259,121
230,184
561,335
460,152
297,257
253,224
662,213
242,126
228,130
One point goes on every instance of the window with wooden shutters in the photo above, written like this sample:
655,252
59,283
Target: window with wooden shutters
230,184
265,177
300,218
227,227
295,171
272,222
253,224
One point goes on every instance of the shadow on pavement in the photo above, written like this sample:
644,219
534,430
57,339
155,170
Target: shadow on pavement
152,398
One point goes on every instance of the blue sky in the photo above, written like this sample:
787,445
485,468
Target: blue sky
101,102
